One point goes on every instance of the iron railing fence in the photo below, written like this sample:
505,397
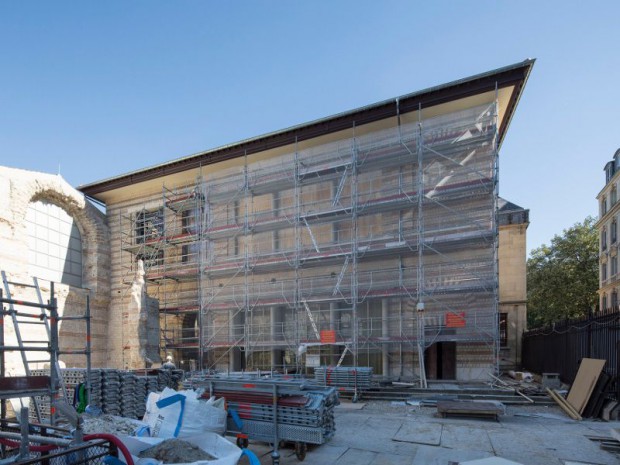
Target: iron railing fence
560,347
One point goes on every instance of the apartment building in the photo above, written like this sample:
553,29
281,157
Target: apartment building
609,212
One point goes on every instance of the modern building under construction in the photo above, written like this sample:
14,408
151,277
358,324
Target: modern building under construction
368,238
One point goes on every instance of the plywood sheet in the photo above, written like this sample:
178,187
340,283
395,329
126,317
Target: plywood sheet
589,371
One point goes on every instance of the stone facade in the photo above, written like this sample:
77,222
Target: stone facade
19,188
512,252
607,226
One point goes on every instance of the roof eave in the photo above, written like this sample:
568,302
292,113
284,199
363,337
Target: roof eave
516,74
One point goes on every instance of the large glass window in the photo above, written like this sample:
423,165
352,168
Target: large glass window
604,239
604,271
614,231
54,244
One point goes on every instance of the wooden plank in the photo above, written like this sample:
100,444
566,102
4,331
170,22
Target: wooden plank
467,408
564,405
25,383
589,371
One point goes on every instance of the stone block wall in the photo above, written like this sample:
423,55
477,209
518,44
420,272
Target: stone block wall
18,189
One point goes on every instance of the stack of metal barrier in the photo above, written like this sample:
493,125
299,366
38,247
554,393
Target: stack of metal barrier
129,394
95,388
117,392
111,391
345,377
305,412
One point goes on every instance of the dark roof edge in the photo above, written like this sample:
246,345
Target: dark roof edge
516,74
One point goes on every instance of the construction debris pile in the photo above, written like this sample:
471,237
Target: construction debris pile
591,394
115,392
109,424
176,451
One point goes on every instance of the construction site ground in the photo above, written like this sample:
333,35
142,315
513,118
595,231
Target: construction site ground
394,433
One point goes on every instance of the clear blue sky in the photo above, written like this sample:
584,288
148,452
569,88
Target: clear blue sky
102,88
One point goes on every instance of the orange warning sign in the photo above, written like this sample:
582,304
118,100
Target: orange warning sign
328,336
455,320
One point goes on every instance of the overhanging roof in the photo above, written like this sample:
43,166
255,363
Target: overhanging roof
514,75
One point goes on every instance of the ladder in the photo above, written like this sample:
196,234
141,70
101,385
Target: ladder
25,320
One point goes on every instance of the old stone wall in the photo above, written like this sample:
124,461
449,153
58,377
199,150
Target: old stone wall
513,291
18,189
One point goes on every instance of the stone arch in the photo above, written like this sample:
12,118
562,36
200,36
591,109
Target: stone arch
19,188
90,222
94,249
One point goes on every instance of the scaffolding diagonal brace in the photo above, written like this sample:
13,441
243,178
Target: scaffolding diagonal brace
340,186
311,317
316,247
344,352
341,275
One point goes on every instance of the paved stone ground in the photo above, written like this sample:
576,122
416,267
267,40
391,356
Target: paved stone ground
384,433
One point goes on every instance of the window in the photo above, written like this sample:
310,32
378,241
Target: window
609,171
613,196
614,231
604,271
604,301
188,222
614,299
614,265
604,238
189,253
149,226
503,329
603,206
54,243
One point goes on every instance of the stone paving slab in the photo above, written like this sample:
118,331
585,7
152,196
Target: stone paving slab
367,439
393,459
321,455
419,433
429,455
384,427
465,437
365,436
357,457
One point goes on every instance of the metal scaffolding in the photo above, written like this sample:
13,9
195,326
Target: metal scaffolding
372,247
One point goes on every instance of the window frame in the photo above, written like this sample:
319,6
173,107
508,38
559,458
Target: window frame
503,329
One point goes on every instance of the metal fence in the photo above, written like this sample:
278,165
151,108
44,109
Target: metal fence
559,348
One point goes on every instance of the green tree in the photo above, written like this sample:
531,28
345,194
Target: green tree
562,279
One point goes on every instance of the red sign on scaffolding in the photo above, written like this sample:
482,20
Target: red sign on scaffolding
455,320
328,336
